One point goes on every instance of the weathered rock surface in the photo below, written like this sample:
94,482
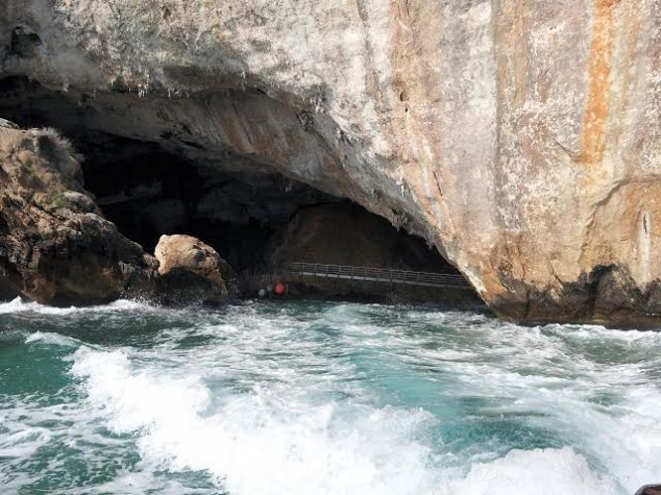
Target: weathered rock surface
55,246
191,271
522,138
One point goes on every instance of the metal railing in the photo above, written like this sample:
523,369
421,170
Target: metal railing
383,275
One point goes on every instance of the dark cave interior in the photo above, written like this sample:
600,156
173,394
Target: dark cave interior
150,192
240,208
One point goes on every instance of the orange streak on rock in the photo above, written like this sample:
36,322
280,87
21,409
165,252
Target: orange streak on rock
593,139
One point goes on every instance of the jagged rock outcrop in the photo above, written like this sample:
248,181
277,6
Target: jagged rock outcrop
191,271
55,246
522,138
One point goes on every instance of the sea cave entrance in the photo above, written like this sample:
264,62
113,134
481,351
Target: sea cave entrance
152,178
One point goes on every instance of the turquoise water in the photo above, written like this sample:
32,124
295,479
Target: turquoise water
321,398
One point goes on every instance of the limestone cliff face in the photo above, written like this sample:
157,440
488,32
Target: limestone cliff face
523,138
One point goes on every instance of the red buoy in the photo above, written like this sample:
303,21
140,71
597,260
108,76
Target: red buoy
280,289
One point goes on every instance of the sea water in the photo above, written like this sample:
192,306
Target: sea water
316,398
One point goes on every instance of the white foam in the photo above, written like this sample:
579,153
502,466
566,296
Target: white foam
128,305
527,372
248,397
51,339
272,441
535,472
260,443
597,332
24,442
627,437
18,305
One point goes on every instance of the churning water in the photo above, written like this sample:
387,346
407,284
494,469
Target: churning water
321,398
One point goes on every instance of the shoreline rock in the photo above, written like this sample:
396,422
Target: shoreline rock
55,246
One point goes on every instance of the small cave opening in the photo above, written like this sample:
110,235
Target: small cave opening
258,220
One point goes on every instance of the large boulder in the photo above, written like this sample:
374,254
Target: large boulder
55,245
191,271
523,139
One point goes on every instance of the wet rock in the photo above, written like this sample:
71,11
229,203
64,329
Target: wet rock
55,246
191,271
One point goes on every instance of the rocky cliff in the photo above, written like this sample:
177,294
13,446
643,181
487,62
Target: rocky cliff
522,138
55,245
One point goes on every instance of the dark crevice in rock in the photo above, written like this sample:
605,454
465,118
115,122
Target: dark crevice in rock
23,42
4,226
594,287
